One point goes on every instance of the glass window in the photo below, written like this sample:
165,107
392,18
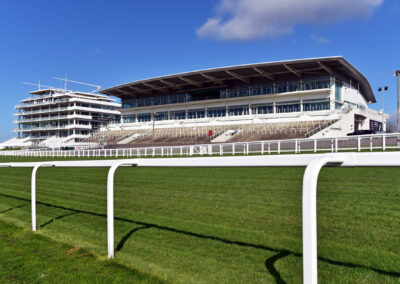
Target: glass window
338,91
288,107
142,117
129,118
262,109
128,103
238,110
178,114
196,113
161,116
311,105
216,112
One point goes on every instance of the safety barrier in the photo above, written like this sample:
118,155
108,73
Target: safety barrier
313,163
381,142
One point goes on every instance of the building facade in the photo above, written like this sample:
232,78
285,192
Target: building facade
58,113
319,88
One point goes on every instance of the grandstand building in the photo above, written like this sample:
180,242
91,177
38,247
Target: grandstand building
319,97
61,117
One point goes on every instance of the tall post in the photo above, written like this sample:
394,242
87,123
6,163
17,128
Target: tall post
397,74
309,216
110,205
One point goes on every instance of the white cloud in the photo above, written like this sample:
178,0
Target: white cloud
253,19
319,39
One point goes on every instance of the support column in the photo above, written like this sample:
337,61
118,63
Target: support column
309,216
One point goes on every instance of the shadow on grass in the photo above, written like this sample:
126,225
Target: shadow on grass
128,235
269,262
12,208
58,218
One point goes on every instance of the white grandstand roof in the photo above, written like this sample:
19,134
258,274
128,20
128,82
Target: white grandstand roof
246,74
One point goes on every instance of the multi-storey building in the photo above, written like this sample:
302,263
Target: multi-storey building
59,113
327,88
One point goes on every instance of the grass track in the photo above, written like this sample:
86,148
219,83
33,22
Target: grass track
30,258
226,225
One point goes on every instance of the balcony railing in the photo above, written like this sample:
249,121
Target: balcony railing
70,116
256,90
63,127
108,111
26,105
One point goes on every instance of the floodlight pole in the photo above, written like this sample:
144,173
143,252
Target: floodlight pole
397,74
383,90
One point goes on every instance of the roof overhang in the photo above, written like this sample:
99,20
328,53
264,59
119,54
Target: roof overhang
247,74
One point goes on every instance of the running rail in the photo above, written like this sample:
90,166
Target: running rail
312,162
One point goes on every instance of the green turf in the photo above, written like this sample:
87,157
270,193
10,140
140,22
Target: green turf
30,258
225,225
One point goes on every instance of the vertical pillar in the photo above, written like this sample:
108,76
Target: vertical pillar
383,142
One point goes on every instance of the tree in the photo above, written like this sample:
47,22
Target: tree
391,123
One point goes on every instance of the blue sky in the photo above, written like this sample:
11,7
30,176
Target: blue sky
114,42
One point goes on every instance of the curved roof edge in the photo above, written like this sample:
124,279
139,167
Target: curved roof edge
330,65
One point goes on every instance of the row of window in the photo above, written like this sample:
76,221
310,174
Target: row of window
61,123
276,88
295,106
232,93
47,134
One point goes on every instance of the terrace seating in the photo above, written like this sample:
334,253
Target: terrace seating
200,135
276,131
111,136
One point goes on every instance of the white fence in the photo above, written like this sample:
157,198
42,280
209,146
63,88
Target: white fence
350,143
313,162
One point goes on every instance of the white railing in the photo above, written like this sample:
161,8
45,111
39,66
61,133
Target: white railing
313,163
57,117
377,142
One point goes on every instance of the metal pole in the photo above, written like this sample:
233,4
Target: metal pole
33,192
309,216
110,205
398,113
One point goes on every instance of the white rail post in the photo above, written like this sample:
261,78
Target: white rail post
33,191
370,143
358,143
336,144
383,142
279,147
315,145
110,205
262,148
309,212
233,149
